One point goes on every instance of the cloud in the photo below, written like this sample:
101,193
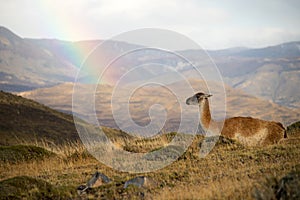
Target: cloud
243,37
215,25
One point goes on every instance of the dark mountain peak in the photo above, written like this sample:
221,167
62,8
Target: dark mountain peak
289,44
5,31
7,37
9,98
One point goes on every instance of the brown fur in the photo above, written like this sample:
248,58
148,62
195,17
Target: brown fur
249,131
205,114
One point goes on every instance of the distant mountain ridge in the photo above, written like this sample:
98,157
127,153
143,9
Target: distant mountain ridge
285,50
271,73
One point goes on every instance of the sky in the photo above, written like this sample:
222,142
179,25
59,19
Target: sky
212,24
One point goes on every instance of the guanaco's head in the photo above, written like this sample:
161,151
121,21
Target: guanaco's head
197,98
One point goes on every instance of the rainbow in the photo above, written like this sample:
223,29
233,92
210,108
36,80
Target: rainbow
76,52
92,64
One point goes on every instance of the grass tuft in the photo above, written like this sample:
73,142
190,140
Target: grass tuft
21,153
293,130
24,187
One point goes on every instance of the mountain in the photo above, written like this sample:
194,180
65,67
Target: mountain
25,65
285,50
273,78
74,53
271,73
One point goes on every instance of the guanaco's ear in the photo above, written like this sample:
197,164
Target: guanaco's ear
201,95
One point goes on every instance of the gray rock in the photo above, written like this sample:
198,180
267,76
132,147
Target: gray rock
97,180
139,181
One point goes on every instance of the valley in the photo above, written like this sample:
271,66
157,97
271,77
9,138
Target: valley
238,103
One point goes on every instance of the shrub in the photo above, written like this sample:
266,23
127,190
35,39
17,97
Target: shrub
285,188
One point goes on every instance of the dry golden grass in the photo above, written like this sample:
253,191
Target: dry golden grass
230,171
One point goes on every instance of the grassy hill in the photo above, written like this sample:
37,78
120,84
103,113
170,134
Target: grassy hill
293,130
24,120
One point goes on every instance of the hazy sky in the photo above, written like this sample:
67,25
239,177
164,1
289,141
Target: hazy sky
213,24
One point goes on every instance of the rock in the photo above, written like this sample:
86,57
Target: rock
140,181
97,180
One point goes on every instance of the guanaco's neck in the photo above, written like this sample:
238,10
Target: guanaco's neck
205,116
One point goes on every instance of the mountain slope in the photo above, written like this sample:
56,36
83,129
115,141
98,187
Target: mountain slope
271,73
275,81
25,65
23,120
